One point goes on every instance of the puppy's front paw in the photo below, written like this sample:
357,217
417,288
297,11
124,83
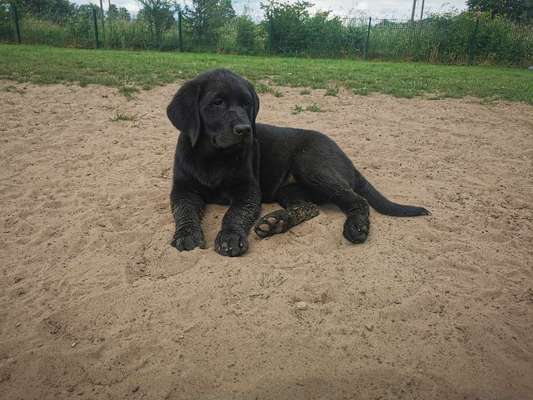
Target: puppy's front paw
188,241
231,243
356,228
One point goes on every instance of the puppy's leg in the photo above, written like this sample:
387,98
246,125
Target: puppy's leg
356,208
245,209
187,208
296,209
333,188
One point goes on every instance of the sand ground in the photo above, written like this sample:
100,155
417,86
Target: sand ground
95,304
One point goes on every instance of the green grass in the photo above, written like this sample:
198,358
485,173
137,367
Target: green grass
313,108
130,91
297,109
332,91
119,116
277,93
363,91
263,88
12,89
130,69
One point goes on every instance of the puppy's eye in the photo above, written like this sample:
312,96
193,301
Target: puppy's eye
217,102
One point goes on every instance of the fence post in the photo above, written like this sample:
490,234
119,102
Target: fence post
472,47
95,28
368,37
103,17
444,55
270,33
180,31
413,11
17,24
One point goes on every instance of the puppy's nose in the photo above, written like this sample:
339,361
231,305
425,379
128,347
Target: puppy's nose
242,130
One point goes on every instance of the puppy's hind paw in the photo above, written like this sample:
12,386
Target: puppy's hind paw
356,228
272,223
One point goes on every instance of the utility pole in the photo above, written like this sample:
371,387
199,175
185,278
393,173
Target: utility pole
368,37
103,18
95,20
17,24
413,11
422,11
180,32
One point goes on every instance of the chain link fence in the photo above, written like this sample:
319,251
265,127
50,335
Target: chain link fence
463,39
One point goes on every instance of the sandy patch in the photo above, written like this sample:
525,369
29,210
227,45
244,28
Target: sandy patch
95,304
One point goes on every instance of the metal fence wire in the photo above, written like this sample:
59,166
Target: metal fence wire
463,39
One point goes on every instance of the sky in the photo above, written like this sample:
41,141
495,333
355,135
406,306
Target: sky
392,9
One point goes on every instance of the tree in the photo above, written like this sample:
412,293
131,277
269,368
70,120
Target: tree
287,25
51,10
85,11
246,34
515,10
118,14
158,14
206,17
5,20
80,25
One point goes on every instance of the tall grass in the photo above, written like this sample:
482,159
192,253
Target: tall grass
448,39
74,34
454,40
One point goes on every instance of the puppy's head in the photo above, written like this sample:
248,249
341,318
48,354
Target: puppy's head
216,109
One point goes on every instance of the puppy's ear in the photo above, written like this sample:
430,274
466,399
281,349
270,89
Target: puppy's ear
256,101
183,111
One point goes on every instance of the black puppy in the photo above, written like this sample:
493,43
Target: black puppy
224,157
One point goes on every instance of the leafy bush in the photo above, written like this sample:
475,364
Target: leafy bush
6,29
288,29
454,40
40,31
246,35
240,35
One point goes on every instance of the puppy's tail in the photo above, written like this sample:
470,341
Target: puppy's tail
383,205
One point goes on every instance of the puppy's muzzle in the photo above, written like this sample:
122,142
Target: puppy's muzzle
242,130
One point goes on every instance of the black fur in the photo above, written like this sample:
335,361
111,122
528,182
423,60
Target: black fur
224,157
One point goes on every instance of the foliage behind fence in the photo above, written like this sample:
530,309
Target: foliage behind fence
291,30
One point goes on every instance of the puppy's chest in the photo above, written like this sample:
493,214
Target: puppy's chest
217,177
214,176
217,187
